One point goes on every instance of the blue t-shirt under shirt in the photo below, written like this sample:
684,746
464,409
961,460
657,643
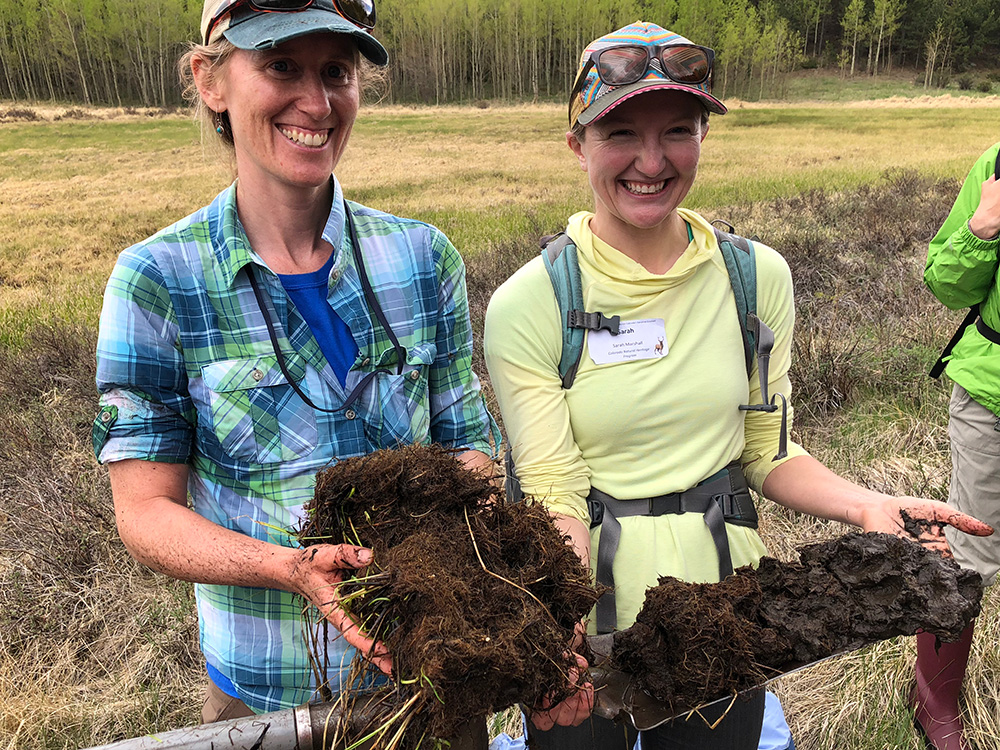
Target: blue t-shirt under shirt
309,291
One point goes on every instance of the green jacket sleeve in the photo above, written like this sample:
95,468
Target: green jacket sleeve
961,268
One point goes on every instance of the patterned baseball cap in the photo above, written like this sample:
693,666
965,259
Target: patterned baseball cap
249,29
592,98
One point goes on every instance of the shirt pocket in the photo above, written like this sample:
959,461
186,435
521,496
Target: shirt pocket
401,412
256,414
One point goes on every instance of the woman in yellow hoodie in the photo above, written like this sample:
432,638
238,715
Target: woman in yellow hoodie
652,424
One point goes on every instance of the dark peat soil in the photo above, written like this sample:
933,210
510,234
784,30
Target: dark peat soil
694,643
475,599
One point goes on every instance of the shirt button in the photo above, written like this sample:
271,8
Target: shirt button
350,414
366,361
335,275
106,416
257,375
415,375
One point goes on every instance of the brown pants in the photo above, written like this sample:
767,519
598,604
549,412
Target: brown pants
221,707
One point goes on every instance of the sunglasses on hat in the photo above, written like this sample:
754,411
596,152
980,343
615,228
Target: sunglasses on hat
629,63
359,12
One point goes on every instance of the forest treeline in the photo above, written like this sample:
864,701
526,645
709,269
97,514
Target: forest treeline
123,52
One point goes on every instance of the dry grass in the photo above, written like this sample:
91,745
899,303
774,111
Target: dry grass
93,648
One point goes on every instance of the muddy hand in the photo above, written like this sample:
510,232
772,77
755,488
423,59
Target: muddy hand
316,576
924,521
572,711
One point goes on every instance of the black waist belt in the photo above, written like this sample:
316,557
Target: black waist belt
984,330
722,498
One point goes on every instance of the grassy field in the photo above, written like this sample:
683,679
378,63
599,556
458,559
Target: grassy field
76,192
94,648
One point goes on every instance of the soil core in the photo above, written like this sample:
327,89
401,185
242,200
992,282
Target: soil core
694,643
475,599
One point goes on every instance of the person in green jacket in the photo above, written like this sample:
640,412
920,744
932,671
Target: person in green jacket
962,272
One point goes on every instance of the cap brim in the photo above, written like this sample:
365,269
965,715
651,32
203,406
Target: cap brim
267,30
611,100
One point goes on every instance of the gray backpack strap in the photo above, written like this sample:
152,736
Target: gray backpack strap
758,338
559,257
606,611
738,254
511,485
722,498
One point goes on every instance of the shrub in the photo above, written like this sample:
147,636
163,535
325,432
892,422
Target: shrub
965,82
74,114
20,113
162,111
851,254
985,86
488,270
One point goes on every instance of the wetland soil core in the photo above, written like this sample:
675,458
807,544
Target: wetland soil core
476,599
694,643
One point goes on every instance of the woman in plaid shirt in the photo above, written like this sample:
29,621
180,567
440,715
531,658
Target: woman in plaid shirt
274,331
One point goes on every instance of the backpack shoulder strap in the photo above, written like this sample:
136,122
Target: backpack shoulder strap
559,257
562,265
738,254
970,318
758,339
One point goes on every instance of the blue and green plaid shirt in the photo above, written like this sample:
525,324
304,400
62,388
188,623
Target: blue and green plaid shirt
187,374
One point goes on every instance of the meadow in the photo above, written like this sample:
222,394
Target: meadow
94,648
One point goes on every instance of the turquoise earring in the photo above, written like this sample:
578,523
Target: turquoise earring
220,127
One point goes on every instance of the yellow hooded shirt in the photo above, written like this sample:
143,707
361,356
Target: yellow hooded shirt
642,427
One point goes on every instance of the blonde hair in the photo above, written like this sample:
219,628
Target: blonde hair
216,54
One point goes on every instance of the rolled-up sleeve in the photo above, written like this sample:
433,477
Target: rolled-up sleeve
145,412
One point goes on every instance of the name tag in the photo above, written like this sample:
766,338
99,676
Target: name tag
636,339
